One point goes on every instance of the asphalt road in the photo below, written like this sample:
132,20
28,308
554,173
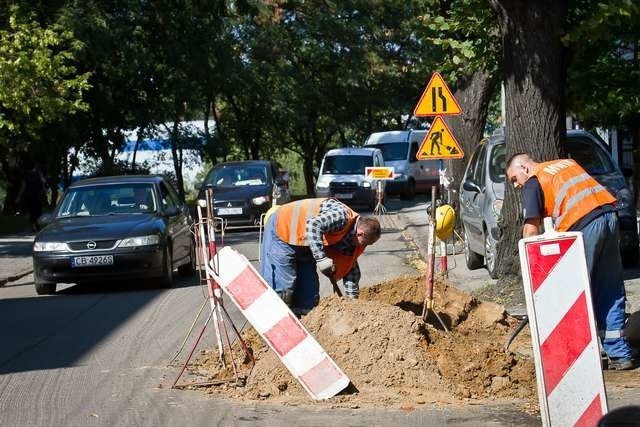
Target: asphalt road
100,356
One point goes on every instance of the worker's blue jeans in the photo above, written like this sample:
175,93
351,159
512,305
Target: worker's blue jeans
290,270
601,237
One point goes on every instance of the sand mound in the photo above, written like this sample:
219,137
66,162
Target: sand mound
392,357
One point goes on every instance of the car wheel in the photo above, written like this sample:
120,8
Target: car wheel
473,260
630,258
166,280
188,269
410,191
45,288
490,258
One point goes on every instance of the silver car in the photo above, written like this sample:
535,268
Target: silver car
482,193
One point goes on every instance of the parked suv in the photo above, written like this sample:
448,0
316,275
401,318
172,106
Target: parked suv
244,190
342,175
482,193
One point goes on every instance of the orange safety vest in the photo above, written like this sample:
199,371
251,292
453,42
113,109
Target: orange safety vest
569,191
291,228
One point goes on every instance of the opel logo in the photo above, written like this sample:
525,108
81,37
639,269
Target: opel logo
91,245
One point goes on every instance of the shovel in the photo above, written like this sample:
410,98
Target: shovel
523,322
336,288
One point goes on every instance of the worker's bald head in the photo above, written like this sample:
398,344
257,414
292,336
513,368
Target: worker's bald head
519,169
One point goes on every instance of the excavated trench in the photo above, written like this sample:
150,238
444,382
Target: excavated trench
392,358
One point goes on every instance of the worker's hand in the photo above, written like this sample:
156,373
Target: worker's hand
326,267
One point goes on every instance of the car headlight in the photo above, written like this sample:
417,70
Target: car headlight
261,200
497,207
624,200
50,247
153,239
365,184
322,185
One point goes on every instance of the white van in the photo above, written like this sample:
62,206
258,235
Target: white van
399,149
342,175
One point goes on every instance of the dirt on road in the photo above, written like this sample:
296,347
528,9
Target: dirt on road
393,358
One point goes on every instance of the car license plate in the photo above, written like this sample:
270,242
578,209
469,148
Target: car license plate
229,211
344,196
89,261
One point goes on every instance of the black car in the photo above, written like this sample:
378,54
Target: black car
120,227
244,190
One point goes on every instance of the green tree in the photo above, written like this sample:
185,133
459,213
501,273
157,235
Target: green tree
39,85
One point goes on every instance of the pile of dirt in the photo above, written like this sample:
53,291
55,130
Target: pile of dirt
393,358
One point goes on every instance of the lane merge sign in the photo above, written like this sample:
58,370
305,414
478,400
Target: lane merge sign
379,172
439,143
437,99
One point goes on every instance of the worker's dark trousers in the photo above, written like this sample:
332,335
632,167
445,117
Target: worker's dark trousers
290,270
601,238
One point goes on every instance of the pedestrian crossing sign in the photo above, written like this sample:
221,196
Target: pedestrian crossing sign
437,99
439,143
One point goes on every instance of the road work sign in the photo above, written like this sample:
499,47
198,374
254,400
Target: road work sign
379,172
439,143
307,361
437,99
565,343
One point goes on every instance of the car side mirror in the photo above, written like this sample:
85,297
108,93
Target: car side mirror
172,211
45,219
469,185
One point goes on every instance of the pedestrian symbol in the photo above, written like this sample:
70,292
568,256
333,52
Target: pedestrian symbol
439,143
437,99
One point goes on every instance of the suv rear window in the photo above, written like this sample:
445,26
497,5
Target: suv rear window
346,165
590,156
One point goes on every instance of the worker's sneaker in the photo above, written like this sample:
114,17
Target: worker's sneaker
622,364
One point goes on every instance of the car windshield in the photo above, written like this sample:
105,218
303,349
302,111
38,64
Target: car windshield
346,165
590,156
497,163
107,200
392,151
237,175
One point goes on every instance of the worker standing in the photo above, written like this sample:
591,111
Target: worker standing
564,191
318,233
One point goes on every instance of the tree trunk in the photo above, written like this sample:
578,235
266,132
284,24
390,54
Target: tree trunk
534,70
473,94
176,151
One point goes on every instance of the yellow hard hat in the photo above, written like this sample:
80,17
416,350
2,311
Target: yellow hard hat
445,221
271,210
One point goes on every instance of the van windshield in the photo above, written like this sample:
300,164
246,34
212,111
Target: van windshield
346,165
393,150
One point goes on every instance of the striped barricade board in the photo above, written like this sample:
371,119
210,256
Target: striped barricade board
565,342
307,361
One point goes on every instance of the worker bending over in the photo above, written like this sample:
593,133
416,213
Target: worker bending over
562,190
314,233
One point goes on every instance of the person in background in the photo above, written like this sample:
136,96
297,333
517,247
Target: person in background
32,193
311,234
564,191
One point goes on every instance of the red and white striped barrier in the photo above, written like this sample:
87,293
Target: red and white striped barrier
307,361
565,343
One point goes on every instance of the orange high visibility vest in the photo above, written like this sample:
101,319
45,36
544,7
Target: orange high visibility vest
569,192
291,228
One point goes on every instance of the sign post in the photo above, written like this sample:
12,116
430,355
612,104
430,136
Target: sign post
379,174
439,144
